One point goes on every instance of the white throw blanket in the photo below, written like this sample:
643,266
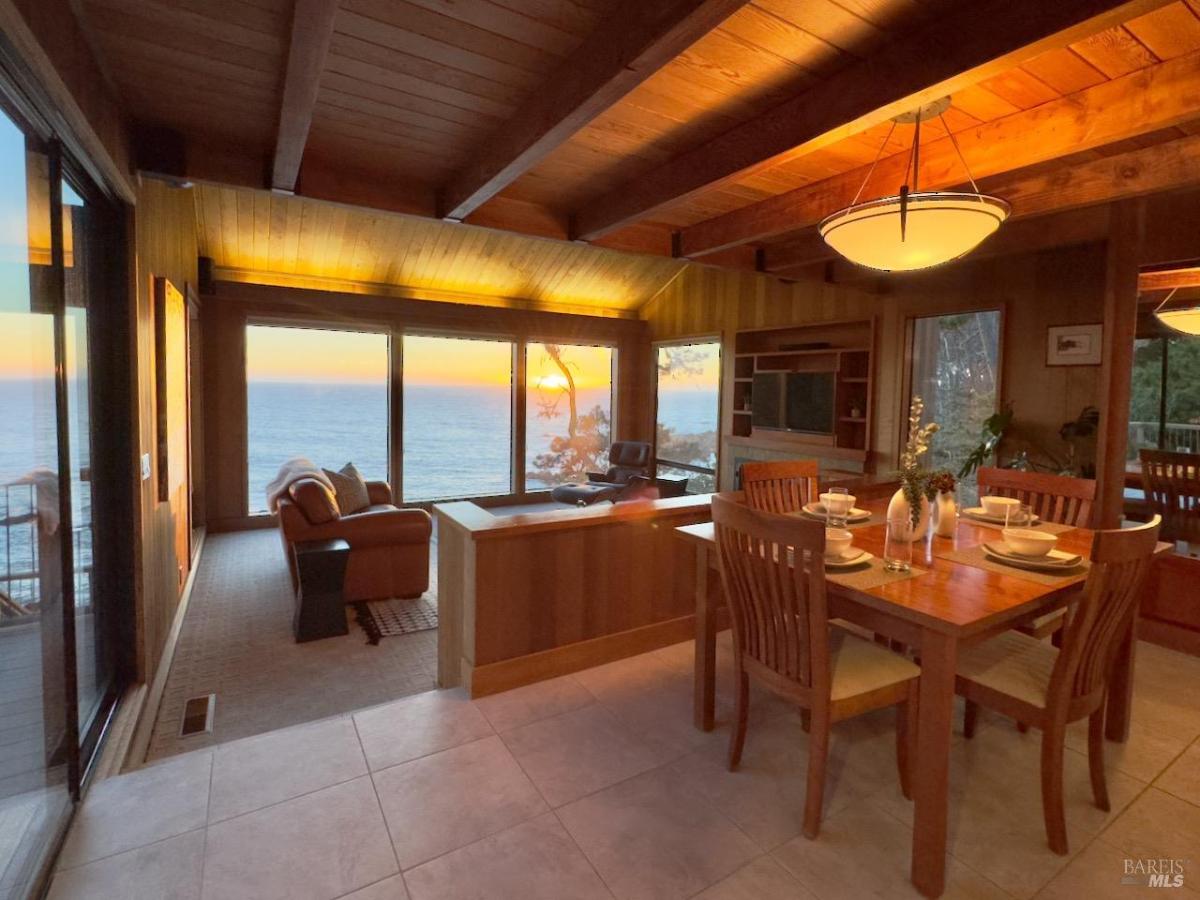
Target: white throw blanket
289,473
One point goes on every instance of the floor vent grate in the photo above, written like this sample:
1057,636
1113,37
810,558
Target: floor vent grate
198,715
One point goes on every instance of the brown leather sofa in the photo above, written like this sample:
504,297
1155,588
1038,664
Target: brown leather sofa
389,547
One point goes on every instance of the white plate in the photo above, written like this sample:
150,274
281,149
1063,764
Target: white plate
852,557
817,511
1052,561
976,512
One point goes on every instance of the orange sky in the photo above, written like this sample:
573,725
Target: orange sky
302,354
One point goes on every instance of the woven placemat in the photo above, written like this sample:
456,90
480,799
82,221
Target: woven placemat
1048,527
869,575
977,557
875,519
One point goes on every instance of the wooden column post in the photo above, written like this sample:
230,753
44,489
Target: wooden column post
1126,229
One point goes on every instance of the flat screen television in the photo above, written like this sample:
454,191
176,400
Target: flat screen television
794,401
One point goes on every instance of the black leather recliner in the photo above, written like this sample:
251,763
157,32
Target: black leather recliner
627,459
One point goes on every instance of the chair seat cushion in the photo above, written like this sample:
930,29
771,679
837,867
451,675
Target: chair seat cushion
860,667
1011,663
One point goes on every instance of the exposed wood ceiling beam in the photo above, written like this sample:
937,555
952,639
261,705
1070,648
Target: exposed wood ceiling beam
629,46
974,42
1174,165
312,30
1178,275
1144,101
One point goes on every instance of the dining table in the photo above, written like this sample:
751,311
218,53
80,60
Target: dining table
953,597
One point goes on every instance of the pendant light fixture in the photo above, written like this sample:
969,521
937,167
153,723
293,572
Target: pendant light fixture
914,229
1185,319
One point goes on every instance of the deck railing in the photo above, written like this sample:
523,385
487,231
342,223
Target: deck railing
1181,438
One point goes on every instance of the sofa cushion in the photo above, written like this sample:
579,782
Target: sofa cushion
315,500
351,489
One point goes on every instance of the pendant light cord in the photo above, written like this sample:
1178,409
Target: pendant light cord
1166,300
962,159
874,163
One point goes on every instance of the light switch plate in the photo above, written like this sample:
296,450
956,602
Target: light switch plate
145,467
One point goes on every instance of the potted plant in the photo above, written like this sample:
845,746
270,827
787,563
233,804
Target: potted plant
943,485
914,495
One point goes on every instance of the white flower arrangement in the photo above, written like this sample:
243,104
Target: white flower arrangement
914,480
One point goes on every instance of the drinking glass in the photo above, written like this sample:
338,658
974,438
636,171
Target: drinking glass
1019,515
837,519
897,545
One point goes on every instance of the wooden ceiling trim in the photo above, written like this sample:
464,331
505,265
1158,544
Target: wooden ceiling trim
632,44
1146,100
1174,165
1115,52
1168,32
1168,278
899,76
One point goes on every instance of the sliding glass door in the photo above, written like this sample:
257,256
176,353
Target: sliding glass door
36,728
688,412
318,393
457,417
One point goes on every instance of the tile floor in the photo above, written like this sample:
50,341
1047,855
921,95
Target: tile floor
597,786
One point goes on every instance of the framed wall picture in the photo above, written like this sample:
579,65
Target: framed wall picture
1074,345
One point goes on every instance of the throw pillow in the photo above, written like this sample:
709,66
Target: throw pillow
351,489
315,500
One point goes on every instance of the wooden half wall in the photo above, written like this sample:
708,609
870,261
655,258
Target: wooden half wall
1064,286
231,305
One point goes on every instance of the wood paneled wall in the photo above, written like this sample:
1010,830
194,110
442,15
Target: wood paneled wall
1057,287
165,235
225,312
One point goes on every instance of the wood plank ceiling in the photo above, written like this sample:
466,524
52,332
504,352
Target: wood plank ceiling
249,234
411,94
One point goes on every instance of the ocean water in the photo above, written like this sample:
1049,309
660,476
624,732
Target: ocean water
456,439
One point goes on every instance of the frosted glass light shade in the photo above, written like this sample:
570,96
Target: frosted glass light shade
1186,320
941,226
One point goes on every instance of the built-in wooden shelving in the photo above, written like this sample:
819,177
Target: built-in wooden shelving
845,349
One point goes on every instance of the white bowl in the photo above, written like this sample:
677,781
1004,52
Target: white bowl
837,541
998,506
838,504
1027,542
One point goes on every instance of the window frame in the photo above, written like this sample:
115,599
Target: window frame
655,346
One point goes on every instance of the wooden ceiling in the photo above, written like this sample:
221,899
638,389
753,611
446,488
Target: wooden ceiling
251,234
720,130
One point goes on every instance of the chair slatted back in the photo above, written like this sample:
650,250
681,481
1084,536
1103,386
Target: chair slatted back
780,487
1172,482
773,572
1105,610
1053,498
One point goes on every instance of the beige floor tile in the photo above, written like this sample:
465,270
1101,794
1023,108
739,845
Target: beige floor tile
536,860
168,870
533,702
157,802
766,795
582,751
316,847
863,852
653,838
763,879
417,726
1099,873
442,802
995,809
389,889
1159,826
626,676
661,716
255,772
1182,778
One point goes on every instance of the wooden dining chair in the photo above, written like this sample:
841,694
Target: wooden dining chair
780,487
1049,688
773,572
1053,498
1172,483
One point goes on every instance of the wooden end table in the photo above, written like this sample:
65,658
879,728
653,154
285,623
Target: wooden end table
320,603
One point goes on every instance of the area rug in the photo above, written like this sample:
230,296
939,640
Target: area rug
392,618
